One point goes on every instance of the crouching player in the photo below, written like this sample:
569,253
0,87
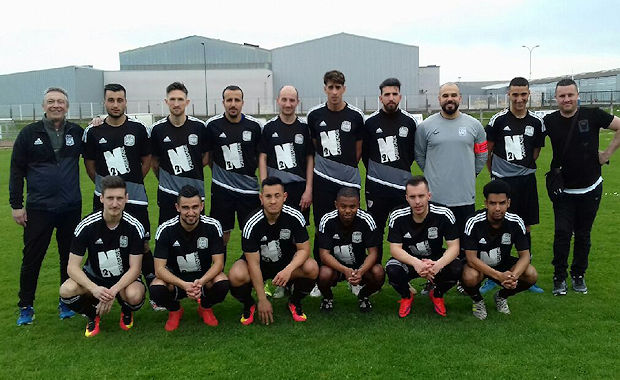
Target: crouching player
416,235
345,235
488,239
189,260
115,243
276,246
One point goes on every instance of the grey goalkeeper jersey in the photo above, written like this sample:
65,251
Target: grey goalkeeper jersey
451,153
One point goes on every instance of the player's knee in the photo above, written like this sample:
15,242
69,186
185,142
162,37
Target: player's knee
470,276
311,268
239,274
134,293
325,274
530,274
69,288
378,274
394,271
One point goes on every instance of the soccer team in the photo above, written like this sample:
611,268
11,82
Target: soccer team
434,231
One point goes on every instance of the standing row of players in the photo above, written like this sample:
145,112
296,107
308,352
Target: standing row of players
450,147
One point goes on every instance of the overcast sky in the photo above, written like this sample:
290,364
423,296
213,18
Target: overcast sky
473,40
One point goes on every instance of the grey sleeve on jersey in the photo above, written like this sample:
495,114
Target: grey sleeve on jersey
420,146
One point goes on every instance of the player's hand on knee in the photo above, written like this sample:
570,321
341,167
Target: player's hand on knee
104,307
265,311
102,294
282,278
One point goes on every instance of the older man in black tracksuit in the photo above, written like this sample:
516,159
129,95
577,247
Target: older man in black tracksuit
46,154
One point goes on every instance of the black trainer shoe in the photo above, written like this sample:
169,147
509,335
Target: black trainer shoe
579,284
364,304
559,287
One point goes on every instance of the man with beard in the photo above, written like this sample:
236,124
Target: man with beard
179,149
451,149
387,153
488,239
120,146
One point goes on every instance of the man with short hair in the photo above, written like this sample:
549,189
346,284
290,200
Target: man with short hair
515,136
488,240
336,129
451,150
416,235
275,246
574,135
46,154
233,137
389,138
114,241
286,152
120,146
189,260
348,240
178,151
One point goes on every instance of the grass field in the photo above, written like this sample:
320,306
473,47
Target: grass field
569,337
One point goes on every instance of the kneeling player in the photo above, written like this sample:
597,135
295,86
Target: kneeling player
416,235
114,240
189,259
488,239
275,245
345,235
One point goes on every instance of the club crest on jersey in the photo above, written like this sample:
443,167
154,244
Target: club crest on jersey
130,140
202,243
506,238
192,139
529,130
433,233
346,126
299,138
247,136
285,234
356,237
69,140
369,203
123,241
403,131
462,131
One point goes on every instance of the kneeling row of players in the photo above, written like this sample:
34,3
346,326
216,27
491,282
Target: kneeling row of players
190,255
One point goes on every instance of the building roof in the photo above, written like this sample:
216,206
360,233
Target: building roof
343,34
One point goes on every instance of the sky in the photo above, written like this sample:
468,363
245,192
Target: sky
469,40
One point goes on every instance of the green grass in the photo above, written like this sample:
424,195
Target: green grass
574,336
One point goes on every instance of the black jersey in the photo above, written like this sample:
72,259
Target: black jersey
119,151
234,148
348,244
492,245
423,240
336,134
515,140
580,166
179,150
108,250
275,242
388,149
189,255
287,147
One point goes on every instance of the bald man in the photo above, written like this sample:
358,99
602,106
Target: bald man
286,152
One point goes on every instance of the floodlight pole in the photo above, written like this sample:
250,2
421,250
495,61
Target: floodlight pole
530,49
204,51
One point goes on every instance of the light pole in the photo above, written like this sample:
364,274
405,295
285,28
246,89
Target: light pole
530,49
204,51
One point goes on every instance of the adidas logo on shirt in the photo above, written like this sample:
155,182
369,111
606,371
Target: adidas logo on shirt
336,236
167,139
264,238
38,142
275,134
507,128
379,130
223,135
176,244
323,124
103,141
99,241
482,241
407,236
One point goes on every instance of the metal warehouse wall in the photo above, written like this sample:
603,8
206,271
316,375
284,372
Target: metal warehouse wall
365,62
188,54
83,84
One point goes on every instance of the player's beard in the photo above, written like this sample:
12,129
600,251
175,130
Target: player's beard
445,109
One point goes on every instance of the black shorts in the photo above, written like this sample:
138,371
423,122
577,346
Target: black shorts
270,270
323,197
524,197
505,264
294,192
167,208
139,212
450,272
381,200
108,282
224,204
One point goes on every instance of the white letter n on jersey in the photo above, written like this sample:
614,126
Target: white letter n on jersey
180,159
117,162
233,156
285,156
330,141
388,149
515,150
